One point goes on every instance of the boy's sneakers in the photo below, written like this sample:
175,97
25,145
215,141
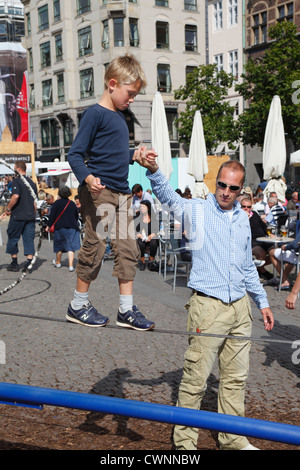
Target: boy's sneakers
87,315
134,319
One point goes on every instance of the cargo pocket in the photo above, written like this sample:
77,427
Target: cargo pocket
192,364
88,252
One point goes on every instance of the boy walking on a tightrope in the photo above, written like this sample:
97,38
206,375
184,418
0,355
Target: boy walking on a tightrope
105,195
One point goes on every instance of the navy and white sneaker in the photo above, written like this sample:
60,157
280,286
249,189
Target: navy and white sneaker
87,315
134,319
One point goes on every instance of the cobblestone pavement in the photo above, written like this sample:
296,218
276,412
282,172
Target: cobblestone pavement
42,349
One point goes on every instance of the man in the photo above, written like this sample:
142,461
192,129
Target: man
294,202
221,275
139,195
22,211
275,211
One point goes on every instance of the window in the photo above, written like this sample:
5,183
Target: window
28,22
189,69
58,48
32,97
43,18
56,10
233,63
86,83
83,6
259,28
191,38
68,132
286,12
162,35
49,133
118,32
161,3
45,54
30,59
218,60
133,32
105,35
218,16
60,88
47,92
164,78
232,12
3,32
84,41
190,5
171,115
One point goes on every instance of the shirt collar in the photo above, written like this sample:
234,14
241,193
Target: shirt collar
212,199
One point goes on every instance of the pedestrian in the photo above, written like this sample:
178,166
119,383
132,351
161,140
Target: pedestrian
105,196
22,211
64,216
222,274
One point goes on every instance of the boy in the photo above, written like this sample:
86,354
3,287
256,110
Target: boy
105,195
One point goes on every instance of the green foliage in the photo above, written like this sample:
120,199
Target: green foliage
205,90
276,73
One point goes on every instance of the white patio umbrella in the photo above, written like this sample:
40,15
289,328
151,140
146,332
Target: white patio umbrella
160,135
274,151
197,165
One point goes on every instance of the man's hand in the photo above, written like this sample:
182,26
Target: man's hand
146,158
94,184
268,318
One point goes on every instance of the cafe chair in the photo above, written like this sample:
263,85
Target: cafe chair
169,248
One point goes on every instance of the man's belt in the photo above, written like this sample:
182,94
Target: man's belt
201,294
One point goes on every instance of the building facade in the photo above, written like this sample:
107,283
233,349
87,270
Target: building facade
69,43
259,16
225,49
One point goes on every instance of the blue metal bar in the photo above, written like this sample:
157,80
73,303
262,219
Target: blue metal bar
24,395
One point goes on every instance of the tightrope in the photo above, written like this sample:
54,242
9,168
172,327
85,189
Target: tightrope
157,330
36,254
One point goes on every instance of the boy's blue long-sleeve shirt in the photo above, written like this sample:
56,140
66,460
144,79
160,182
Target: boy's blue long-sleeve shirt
101,148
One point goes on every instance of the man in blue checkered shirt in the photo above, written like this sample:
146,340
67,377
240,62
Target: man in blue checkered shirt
222,276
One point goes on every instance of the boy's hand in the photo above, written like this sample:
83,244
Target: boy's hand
146,158
94,184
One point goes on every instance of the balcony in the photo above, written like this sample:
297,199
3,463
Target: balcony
116,8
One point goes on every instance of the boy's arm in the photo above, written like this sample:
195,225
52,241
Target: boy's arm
85,135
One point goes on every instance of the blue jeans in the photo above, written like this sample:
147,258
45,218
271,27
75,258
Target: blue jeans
15,229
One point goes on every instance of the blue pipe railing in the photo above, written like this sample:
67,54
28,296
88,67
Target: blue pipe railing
25,395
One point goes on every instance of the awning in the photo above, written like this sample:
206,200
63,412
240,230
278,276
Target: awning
55,173
4,170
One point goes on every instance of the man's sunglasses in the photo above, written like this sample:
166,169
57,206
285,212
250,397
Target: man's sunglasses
247,207
232,187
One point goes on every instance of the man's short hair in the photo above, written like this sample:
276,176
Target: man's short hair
136,188
21,166
235,166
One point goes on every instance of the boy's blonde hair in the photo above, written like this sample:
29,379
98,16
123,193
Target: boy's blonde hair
125,70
